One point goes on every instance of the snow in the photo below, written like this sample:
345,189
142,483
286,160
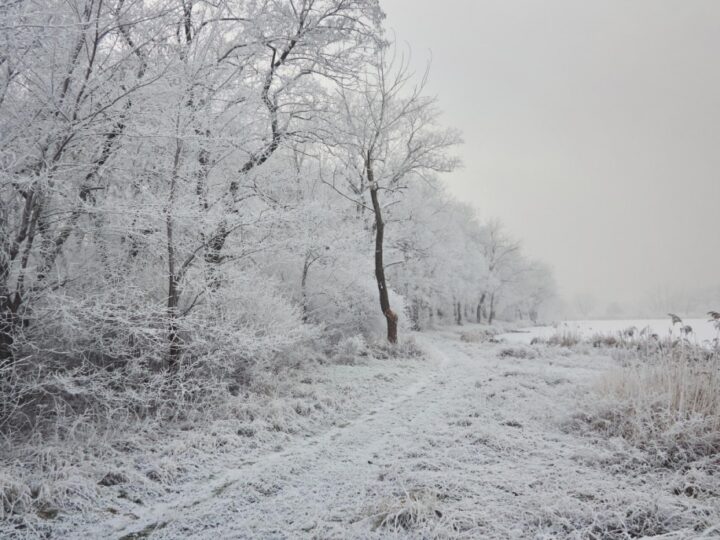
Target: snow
469,442
703,330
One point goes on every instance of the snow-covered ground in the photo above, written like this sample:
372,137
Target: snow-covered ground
470,442
703,329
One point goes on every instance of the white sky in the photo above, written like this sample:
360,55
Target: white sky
592,129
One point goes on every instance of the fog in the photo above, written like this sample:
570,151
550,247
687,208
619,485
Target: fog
591,129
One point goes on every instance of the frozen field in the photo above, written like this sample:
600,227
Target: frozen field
703,330
470,442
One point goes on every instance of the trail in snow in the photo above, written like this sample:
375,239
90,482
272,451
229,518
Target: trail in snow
473,447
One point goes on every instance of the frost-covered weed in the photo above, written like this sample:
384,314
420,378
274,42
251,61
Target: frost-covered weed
563,338
412,509
15,496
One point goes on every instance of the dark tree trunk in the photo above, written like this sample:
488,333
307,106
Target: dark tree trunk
303,288
481,307
7,314
173,299
9,321
213,256
458,313
20,247
173,335
492,309
390,316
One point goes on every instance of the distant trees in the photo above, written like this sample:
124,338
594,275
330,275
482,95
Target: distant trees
585,305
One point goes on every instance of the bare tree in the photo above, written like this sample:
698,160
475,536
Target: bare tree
391,137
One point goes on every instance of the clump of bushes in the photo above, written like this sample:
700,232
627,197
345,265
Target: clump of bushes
518,352
479,335
563,338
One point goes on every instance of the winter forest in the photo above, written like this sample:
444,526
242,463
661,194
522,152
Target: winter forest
202,205
185,181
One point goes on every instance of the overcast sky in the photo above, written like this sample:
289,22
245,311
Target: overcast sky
592,129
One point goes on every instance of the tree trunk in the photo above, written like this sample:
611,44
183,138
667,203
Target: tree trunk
390,316
7,313
173,336
173,296
415,313
481,307
491,317
8,325
303,288
173,300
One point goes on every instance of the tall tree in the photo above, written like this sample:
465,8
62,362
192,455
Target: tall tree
391,137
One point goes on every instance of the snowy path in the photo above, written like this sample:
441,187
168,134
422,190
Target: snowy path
472,448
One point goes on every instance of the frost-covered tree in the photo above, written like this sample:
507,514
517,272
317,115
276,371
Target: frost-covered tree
189,189
389,138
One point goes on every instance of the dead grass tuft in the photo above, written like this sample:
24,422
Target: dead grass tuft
410,510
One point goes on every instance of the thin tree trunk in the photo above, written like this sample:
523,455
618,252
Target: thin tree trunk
492,309
481,307
173,300
416,314
9,321
303,288
390,316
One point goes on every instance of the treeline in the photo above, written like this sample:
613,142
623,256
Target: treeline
187,187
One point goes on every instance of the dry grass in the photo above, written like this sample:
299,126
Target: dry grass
665,400
410,510
562,338
670,407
